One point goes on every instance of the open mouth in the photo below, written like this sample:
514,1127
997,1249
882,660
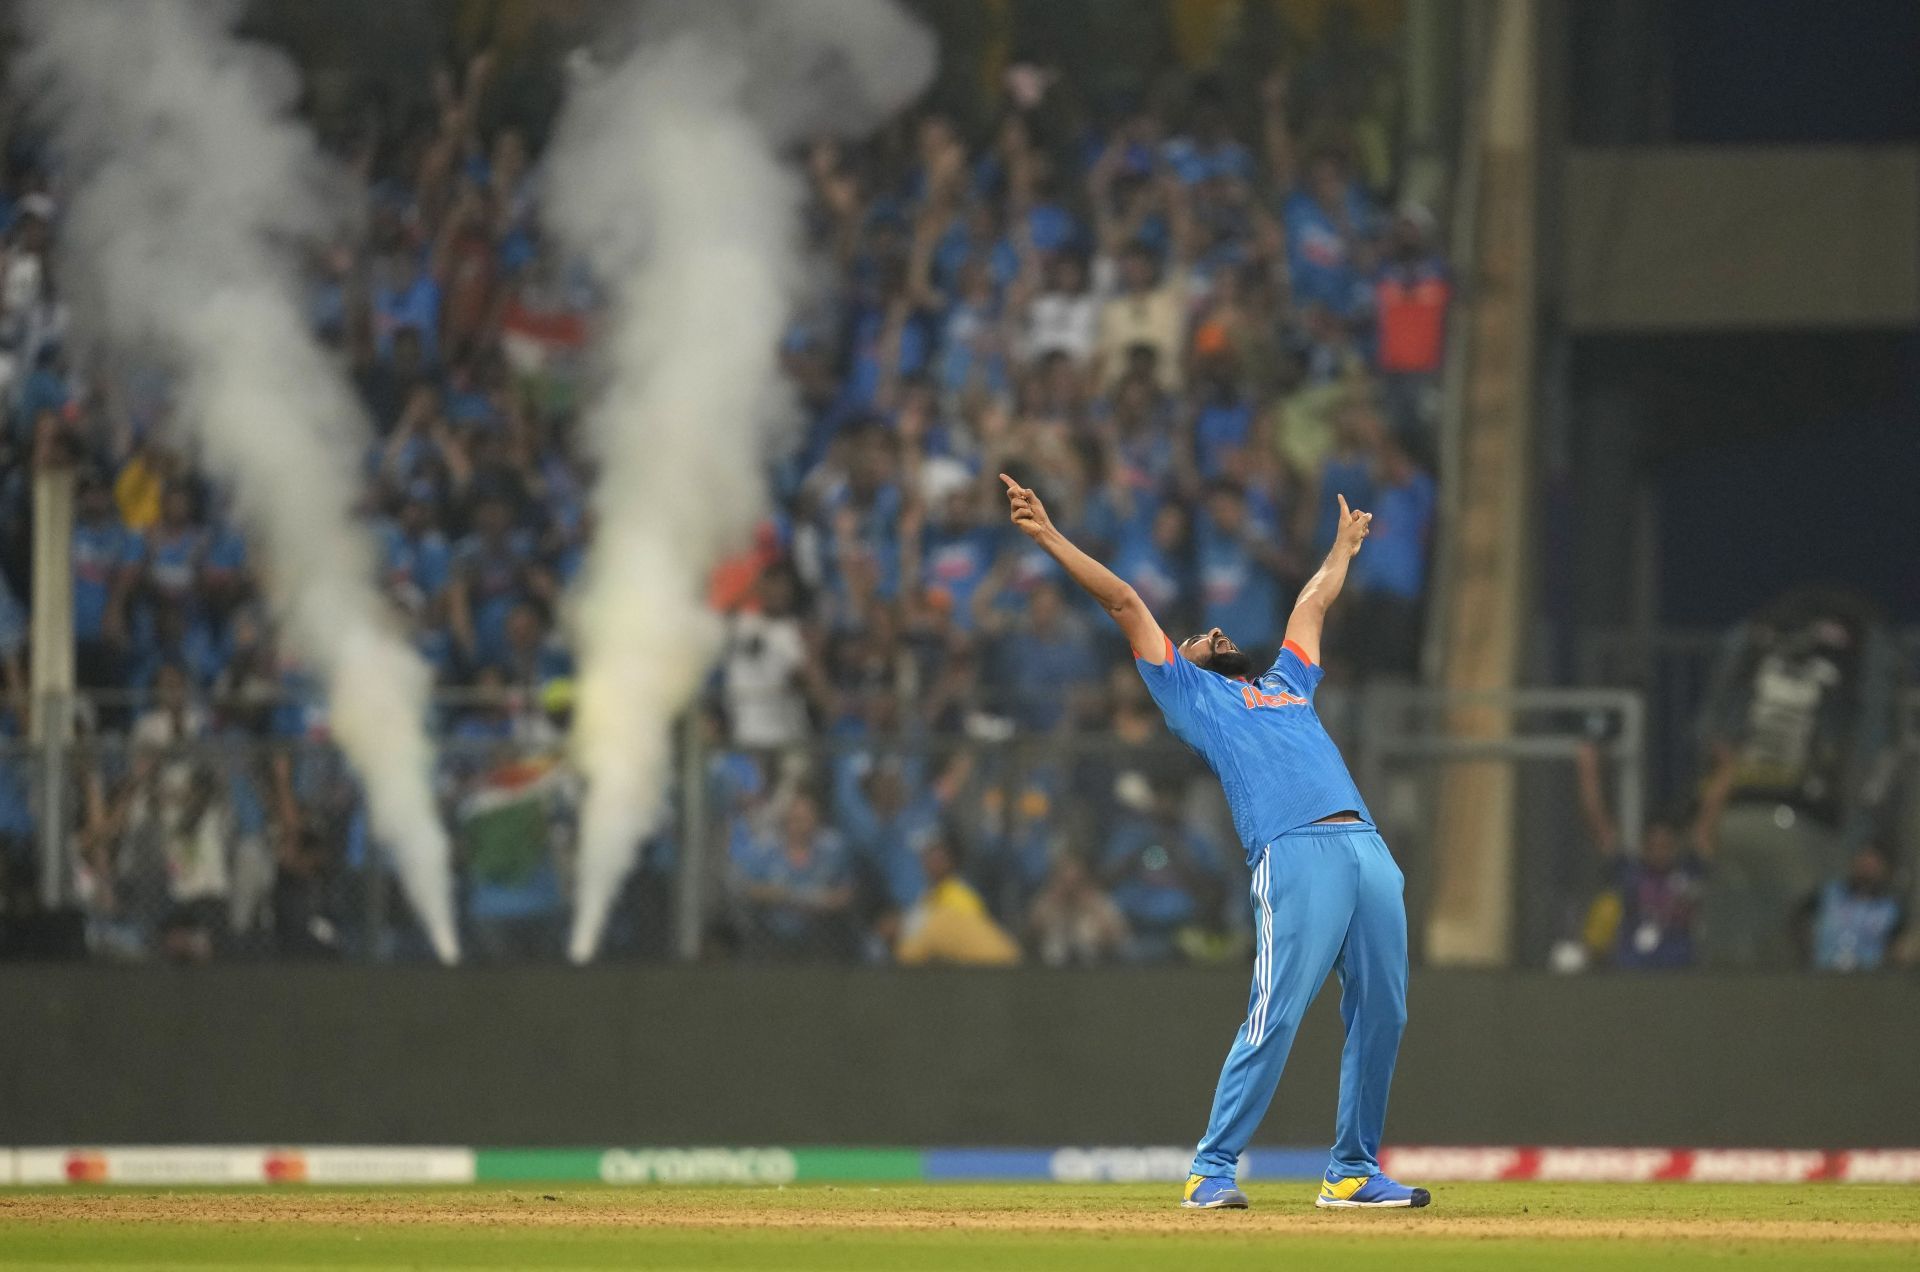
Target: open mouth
1211,646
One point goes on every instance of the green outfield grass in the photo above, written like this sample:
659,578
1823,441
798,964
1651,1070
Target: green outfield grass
1058,1228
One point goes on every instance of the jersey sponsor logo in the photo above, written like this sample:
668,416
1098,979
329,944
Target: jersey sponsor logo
1254,697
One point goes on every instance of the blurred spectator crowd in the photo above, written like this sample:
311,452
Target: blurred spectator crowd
1790,849
1188,321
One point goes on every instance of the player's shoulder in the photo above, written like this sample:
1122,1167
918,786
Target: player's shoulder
1293,664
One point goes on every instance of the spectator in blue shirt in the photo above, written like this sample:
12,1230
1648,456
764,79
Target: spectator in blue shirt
175,551
16,807
386,385
487,717
406,295
1239,564
1348,471
1325,223
1222,421
1045,658
104,556
494,568
887,816
1050,226
973,336
1209,151
793,885
1140,431
46,387
1390,584
1850,924
414,557
171,636
1154,560
473,397
1660,893
1018,842
419,442
975,239
890,338
434,641
13,637
1163,874
956,553
530,657
863,514
224,580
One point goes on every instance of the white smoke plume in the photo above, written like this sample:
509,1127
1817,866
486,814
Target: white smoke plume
668,173
190,181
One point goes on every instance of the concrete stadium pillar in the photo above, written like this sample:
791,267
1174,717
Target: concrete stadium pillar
51,681
1484,601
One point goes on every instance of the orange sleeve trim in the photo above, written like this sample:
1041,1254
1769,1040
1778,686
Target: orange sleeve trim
1172,653
1298,652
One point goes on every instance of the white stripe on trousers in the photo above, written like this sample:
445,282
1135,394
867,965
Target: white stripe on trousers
1263,955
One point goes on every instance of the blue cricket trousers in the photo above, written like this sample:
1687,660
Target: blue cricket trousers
1325,897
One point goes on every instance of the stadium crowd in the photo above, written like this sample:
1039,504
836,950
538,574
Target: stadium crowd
1189,321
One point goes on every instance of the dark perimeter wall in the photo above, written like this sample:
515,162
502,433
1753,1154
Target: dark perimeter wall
791,1056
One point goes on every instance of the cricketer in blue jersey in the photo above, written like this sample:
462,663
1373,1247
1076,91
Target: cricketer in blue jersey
1327,895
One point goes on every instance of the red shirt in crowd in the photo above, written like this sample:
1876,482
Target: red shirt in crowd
1411,301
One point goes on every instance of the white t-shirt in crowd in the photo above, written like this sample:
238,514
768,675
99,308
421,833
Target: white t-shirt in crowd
197,868
20,283
1061,322
195,851
764,702
156,730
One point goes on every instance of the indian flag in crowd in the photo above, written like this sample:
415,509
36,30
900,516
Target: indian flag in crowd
505,820
542,339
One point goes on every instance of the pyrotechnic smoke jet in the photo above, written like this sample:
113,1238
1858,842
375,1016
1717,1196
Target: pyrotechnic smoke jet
668,173
190,180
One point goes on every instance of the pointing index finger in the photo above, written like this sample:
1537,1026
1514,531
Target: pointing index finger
1012,485
1344,514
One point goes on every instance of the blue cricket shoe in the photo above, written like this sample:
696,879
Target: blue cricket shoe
1209,1192
1365,1191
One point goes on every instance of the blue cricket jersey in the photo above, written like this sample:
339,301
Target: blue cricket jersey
1278,767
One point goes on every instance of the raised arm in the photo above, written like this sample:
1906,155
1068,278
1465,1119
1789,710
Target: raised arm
1277,131
1114,593
1601,827
1310,610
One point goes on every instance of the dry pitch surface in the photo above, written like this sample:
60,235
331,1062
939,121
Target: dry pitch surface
1060,1228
